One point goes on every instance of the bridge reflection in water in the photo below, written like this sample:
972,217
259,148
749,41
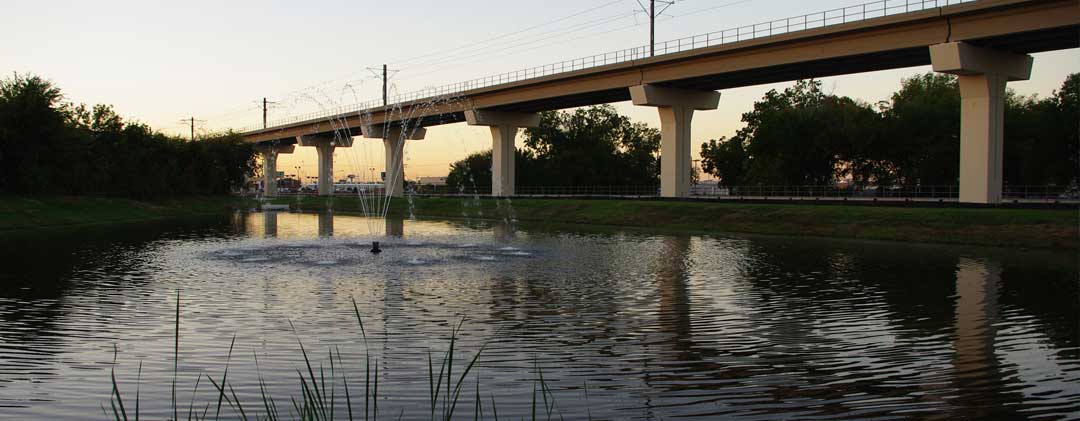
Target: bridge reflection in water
658,326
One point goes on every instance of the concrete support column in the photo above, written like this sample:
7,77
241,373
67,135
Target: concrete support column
983,74
395,166
269,152
325,145
269,172
504,129
676,108
394,138
326,169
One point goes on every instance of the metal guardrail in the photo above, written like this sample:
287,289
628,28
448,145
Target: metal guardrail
943,192
1043,192
871,10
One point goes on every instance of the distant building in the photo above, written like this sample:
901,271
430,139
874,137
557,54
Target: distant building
432,181
289,183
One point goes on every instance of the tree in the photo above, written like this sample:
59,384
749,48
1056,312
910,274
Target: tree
594,145
726,159
589,146
32,121
473,174
800,136
921,135
49,146
1041,138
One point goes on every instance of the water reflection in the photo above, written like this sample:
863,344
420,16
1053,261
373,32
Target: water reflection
504,231
270,220
658,326
395,227
326,224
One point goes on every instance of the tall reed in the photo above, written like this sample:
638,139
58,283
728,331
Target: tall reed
318,391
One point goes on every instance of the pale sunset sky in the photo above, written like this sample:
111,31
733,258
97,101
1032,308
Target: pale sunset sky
159,62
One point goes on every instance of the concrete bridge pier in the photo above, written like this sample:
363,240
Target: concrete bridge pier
325,145
394,143
983,74
269,152
676,108
504,129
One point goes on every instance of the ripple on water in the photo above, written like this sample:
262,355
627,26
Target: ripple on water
657,326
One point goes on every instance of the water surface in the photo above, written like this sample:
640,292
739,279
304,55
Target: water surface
653,325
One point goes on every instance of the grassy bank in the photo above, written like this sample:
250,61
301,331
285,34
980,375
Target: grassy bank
1036,228
20,213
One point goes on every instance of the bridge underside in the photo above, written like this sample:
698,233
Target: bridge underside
1023,43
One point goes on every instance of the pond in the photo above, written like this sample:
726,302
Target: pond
620,324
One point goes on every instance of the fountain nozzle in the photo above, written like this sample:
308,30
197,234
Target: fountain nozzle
375,247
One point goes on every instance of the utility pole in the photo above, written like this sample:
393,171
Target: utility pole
190,123
385,76
651,11
652,28
266,107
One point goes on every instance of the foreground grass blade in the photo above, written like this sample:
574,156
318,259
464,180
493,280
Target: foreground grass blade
224,378
138,386
116,390
176,358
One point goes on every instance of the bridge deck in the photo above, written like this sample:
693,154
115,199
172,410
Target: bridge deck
897,41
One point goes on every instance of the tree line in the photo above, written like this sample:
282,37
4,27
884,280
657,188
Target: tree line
588,146
804,136
50,146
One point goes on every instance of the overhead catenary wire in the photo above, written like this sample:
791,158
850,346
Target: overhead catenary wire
503,36
501,51
553,40
350,77
302,94
545,36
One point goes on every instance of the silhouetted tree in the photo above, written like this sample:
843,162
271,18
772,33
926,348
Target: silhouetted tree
48,146
589,146
803,136
594,146
922,131
800,136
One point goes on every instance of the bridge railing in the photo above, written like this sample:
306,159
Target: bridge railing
817,20
870,10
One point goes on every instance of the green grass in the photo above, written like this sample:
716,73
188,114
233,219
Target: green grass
21,213
1033,228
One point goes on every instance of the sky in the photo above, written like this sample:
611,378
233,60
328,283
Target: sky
159,62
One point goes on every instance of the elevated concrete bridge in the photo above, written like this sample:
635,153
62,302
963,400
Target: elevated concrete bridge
985,42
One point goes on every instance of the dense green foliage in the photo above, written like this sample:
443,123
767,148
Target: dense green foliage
589,146
803,136
48,146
